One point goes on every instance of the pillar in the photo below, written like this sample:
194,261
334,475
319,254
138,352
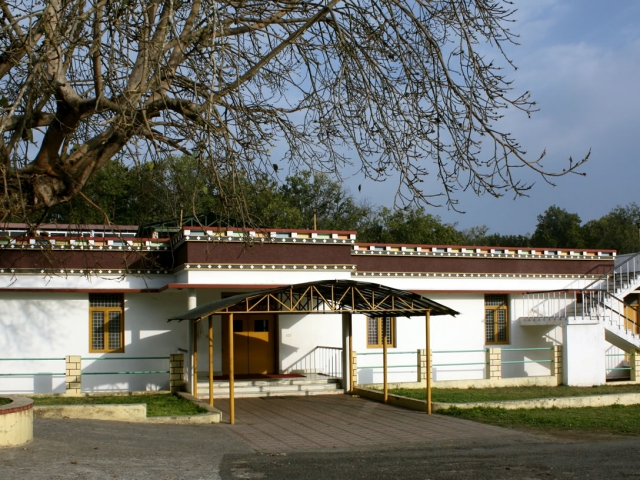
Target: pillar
354,369
556,363
422,365
73,374
211,360
428,363
385,364
176,372
192,302
346,351
232,389
494,363
634,362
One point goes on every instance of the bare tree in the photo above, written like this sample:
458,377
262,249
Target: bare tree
397,87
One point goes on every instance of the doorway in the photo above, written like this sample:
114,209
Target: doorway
254,342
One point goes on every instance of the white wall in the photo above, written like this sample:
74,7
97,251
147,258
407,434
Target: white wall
459,340
53,325
40,325
463,332
56,324
299,337
529,337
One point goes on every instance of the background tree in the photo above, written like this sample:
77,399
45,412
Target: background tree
558,228
481,236
619,229
334,206
408,226
406,87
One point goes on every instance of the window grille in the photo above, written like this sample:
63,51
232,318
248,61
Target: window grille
375,332
106,313
496,319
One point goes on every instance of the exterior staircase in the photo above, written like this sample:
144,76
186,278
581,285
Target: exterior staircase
601,301
622,280
311,384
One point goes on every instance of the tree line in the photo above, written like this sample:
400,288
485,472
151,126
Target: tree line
173,189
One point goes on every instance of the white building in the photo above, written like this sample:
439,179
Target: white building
106,296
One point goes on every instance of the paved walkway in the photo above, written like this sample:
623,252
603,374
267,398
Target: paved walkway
279,427
289,424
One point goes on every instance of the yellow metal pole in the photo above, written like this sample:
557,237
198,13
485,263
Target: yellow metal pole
428,360
384,359
211,360
350,353
195,359
232,405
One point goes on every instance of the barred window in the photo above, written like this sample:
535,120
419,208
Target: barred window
106,314
375,332
496,319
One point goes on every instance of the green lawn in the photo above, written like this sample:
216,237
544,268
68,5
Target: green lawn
617,419
4,401
157,405
454,395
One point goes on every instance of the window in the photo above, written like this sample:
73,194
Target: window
374,332
496,319
106,322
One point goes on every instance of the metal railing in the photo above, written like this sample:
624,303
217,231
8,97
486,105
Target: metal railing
530,349
620,278
618,368
484,362
435,352
33,374
140,372
322,360
586,304
391,352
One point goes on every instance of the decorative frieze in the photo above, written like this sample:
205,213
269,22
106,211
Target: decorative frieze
413,250
266,267
475,275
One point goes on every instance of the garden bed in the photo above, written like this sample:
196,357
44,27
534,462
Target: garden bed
157,404
453,395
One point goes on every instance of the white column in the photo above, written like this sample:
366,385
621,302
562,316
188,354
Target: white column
583,353
192,302
346,353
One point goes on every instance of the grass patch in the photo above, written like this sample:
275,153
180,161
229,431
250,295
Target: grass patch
454,395
4,401
157,405
616,419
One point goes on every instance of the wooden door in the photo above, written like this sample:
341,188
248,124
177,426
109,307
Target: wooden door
631,312
254,342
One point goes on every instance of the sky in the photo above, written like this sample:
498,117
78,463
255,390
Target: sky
581,61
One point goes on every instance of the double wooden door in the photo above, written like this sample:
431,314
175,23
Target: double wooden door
254,344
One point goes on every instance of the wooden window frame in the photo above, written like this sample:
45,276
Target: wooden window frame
495,309
106,311
391,343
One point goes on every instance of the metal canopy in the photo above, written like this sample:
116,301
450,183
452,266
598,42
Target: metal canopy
325,296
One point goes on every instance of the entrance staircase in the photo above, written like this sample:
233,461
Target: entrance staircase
310,384
601,301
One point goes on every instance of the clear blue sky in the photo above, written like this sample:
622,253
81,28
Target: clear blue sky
581,61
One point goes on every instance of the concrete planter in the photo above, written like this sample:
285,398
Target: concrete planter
16,422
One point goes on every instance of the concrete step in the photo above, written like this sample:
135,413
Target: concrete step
306,393
263,382
272,387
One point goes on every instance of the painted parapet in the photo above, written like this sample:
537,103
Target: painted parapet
16,422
